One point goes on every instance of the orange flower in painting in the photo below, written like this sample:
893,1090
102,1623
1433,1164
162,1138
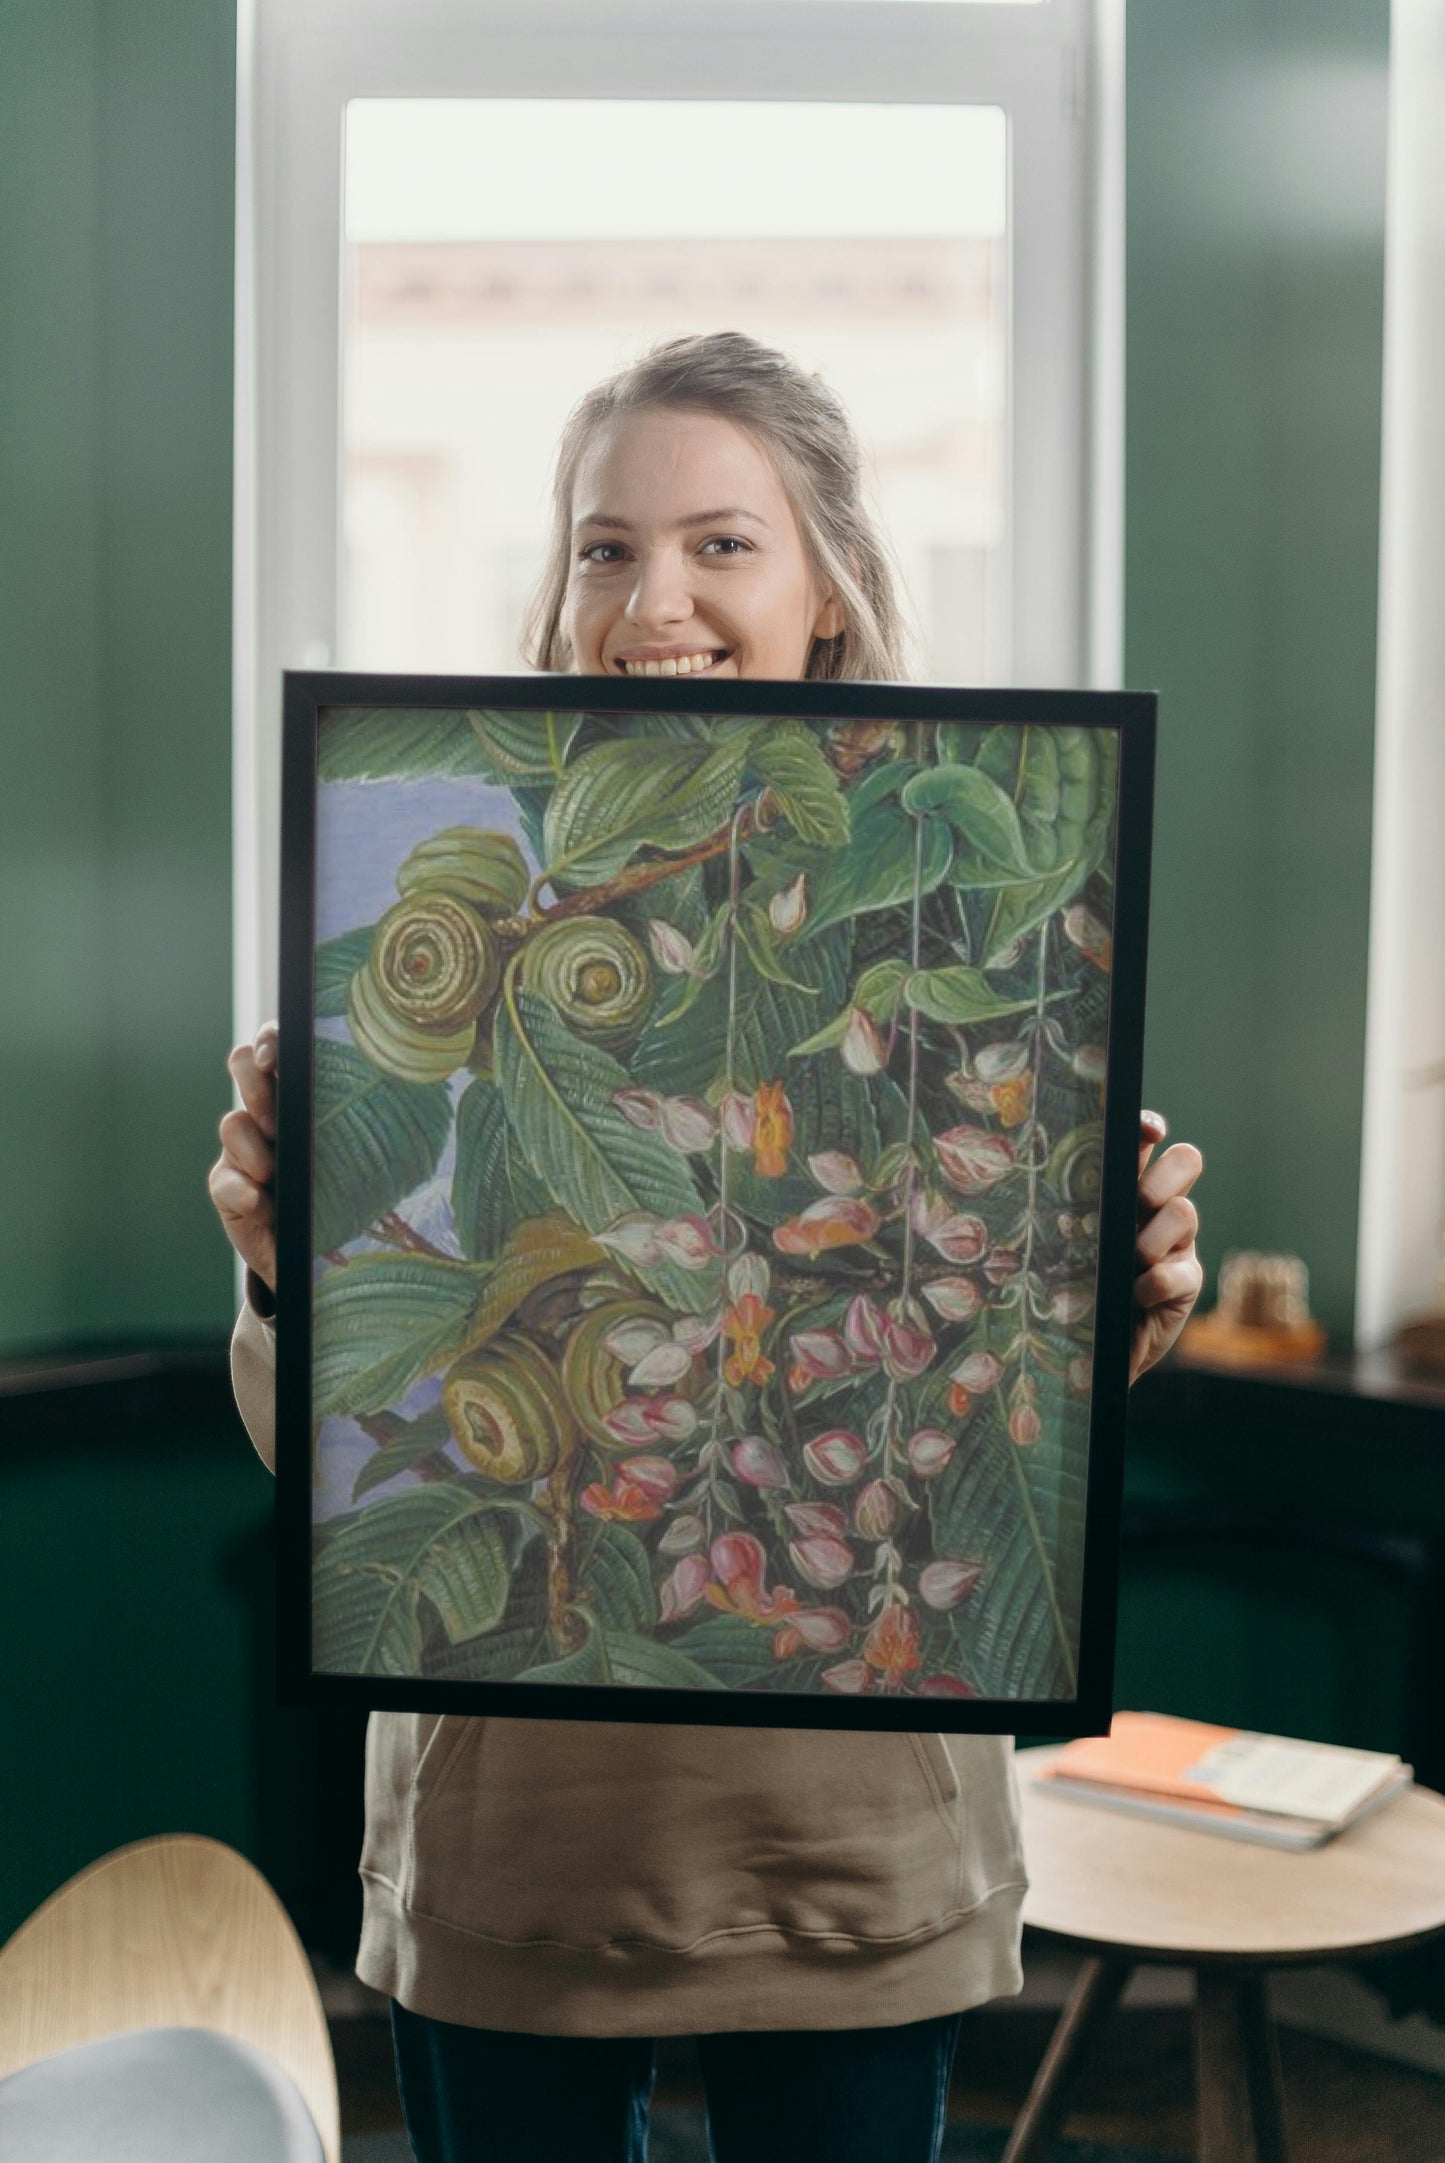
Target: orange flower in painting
739,1569
622,1503
841,1223
743,1326
772,1131
892,1643
1013,1100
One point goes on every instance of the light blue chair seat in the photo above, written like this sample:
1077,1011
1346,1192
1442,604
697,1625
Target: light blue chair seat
156,2095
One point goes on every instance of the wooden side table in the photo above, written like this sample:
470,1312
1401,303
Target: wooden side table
1125,1890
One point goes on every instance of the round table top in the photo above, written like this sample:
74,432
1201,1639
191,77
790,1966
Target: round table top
1166,1892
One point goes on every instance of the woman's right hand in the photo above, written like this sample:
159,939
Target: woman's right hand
240,1181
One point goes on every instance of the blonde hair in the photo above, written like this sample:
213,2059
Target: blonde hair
806,431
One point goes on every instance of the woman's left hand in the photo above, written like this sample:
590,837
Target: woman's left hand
1168,1276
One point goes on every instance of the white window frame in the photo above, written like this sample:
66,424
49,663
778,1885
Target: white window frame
1056,69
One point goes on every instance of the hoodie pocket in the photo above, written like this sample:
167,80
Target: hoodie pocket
592,1833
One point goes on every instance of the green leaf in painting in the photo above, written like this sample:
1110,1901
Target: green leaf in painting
734,1652
398,743
379,1564
375,1140
789,758
615,1582
979,810
559,1095
337,961
1022,1512
877,866
634,793
1074,787
419,1439
526,746
958,995
492,1188
642,1663
514,1643
381,1322
768,1020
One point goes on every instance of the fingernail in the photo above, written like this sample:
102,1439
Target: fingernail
1156,1120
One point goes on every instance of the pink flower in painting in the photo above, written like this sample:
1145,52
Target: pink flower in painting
671,949
836,1458
788,909
686,1587
817,1355
632,1340
945,1686
850,1678
907,1351
1072,1303
739,1568
637,1493
878,1510
660,1367
634,1237
688,1241
944,1583
816,1519
864,1050
739,1117
813,1629
835,1170
686,1124
630,1421
892,1645
972,1159
640,1106
955,1299
957,1236
756,1462
695,1332
822,1561
865,1331
978,1372
1024,1424
1003,1263
930,1451
1080,1375
840,1223
670,1419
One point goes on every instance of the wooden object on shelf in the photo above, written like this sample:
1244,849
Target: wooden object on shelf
1126,1891
1262,1317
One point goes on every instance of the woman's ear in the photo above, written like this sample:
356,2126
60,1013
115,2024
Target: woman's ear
830,619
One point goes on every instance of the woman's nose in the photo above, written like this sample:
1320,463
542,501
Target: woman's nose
661,595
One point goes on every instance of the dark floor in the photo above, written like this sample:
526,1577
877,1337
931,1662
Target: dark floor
1343,2105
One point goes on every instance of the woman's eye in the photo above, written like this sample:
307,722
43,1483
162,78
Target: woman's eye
601,552
726,544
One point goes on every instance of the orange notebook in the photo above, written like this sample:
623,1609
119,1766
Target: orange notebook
1195,1763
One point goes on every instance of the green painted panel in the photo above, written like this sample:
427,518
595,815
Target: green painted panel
1255,258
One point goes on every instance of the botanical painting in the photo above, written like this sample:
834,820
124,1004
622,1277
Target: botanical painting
706,1145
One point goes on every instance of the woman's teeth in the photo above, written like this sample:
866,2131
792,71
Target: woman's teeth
687,664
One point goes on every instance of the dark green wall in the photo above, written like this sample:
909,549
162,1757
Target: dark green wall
117,133
1255,265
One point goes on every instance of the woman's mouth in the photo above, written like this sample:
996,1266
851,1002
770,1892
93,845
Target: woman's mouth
678,664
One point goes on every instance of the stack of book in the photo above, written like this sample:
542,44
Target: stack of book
1269,1788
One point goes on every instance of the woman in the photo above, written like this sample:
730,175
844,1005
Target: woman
543,1898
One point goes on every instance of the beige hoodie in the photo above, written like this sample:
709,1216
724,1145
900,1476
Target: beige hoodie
564,1877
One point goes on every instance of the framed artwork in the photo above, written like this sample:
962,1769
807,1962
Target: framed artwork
708,1139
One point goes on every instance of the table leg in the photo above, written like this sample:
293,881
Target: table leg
1241,2117
1095,1993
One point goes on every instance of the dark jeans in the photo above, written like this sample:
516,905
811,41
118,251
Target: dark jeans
811,2095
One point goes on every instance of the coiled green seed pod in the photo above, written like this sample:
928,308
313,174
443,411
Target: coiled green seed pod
508,1411
413,1004
473,864
595,974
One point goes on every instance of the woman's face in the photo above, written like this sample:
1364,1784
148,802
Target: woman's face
686,556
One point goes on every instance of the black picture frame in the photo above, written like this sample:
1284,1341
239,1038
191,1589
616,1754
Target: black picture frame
1132,716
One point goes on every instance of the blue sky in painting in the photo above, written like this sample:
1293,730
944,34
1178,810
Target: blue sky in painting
365,830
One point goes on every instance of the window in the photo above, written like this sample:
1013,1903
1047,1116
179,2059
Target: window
449,211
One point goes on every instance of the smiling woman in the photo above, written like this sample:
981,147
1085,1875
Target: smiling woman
643,577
